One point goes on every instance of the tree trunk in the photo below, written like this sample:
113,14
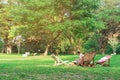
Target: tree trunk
74,50
114,51
9,49
18,49
103,51
50,43
46,50
18,46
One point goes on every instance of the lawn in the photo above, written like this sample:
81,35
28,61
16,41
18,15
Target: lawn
16,67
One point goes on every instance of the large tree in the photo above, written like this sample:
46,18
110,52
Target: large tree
5,23
80,20
34,16
109,13
49,19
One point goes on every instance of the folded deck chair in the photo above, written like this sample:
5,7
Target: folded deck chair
103,60
58,61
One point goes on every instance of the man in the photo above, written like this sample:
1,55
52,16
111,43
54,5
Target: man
80,60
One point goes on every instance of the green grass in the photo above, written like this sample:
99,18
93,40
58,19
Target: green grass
16,67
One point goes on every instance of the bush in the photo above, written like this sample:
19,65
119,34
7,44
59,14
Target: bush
92,44
118,49
110,51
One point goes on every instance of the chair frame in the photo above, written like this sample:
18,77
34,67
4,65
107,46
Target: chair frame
106,62
88,59
58,61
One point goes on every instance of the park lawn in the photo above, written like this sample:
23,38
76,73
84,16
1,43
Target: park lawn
16,67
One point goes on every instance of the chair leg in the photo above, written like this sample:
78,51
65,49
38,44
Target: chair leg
109,62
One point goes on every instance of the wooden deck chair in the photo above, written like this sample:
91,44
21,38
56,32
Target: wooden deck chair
58,61
88,59
104,61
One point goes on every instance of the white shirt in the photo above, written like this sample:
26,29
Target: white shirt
81,55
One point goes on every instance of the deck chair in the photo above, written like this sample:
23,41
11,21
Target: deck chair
104,61
88,59
58,61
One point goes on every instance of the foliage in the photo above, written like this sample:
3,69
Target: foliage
113,41
1,43
118,49
5,21
108,50
64,44
109,14
57,18
81,21
62,24
92,44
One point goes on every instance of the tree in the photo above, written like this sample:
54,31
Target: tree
5,23
109,14
93,43
34,27
113,41
84,21
51,20
18,40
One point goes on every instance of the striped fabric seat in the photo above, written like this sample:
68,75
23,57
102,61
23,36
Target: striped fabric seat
104,59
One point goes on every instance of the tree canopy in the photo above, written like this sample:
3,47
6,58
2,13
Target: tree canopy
58,24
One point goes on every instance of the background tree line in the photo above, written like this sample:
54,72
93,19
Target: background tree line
62,26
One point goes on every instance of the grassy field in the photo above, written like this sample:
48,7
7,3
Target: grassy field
16,67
